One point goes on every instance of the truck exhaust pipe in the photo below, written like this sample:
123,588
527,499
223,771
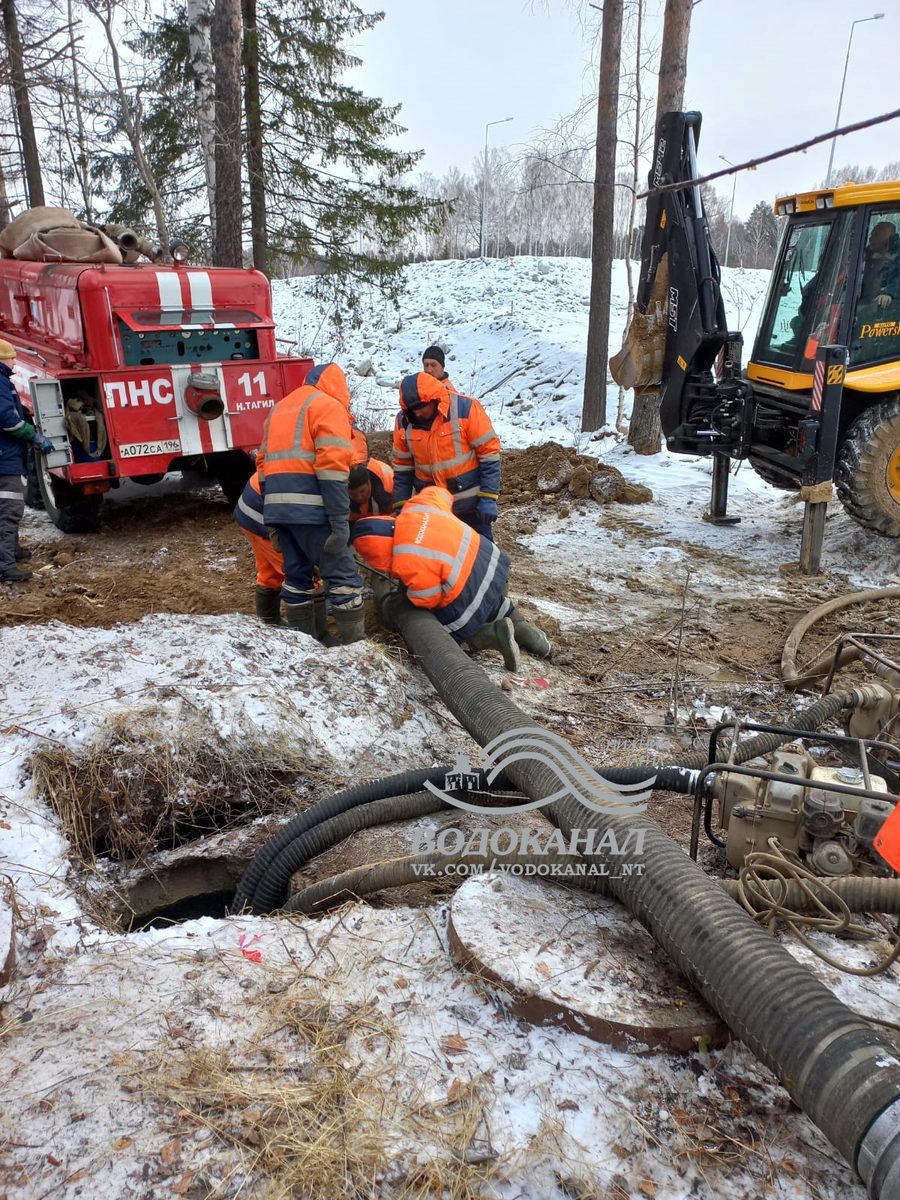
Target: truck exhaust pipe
202,396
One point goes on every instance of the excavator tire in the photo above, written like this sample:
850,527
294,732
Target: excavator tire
868,470
764,471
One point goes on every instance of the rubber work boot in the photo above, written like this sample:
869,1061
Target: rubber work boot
301,617
499,635
22,554
534,640
268,605
326,638
351,622
14,575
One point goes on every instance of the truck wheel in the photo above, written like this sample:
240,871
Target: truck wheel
33,497
868,471
232,469
67,506
764,471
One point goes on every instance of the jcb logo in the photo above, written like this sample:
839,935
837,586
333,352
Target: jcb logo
836,374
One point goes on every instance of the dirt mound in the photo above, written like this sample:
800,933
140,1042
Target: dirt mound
381,445
554,471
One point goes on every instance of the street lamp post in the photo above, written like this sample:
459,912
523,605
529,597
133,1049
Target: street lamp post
837,119
483,247
731,214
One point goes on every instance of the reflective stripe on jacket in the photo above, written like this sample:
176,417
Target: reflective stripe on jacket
446,566
458,451
381,482
248,512
12,426
306,452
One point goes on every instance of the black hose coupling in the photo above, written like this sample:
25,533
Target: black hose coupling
878,1161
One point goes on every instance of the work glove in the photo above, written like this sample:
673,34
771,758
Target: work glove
884,300
487,508
275,541
42,442
340,535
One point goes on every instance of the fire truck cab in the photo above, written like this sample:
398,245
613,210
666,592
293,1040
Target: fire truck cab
139,369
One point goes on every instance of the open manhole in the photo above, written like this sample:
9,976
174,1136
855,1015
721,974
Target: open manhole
163,814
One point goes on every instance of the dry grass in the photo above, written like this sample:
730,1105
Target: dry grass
139,787
325,1114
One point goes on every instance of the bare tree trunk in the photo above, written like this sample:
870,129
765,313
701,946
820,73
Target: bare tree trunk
131,122
80,160
256,167
645,433
200,24
227,251
31,159
635,157
593,412
4,199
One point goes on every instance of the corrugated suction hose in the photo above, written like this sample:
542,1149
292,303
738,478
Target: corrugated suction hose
843,1074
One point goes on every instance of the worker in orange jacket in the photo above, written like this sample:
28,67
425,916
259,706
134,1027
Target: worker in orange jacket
433,364
250,516
371,488
446,440
447,567
306,455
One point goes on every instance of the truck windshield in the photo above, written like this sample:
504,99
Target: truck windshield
796,288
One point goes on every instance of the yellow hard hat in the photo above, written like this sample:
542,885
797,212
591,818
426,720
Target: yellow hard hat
7,349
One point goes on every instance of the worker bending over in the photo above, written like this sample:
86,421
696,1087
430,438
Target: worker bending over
250,515
447,567
446,440
371,488
304,467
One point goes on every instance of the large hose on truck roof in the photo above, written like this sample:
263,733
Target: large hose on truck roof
843,1074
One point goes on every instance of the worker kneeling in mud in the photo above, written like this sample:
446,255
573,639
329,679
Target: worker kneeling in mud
304,467
445,566
371,488
249,512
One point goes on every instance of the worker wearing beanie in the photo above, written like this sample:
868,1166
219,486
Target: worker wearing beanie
15,436
447,567
433,364
447,440
304,465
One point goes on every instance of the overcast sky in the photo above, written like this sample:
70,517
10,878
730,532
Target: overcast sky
764,73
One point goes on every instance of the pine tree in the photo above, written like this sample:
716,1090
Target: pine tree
321,184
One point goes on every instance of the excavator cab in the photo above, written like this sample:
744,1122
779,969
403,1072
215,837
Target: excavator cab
819,401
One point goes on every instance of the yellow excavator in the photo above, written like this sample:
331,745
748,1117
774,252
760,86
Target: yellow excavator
819,401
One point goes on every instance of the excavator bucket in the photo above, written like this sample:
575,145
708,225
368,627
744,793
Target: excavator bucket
639,363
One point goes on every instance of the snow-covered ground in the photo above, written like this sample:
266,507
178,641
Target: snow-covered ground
109,1039
514,331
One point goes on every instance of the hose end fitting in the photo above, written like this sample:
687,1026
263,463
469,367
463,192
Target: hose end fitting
878,1160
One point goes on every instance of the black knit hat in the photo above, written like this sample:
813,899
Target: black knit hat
434,352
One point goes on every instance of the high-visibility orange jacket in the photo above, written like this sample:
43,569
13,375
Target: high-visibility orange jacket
248,512
445,565
457,450
381,493
306,452
359,444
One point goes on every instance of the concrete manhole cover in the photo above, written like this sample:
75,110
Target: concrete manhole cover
579,961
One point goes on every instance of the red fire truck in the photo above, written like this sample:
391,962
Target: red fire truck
140,369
